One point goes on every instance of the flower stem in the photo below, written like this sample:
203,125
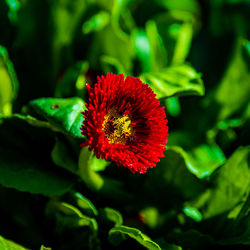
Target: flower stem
92,179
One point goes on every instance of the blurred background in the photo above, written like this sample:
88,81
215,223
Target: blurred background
194,54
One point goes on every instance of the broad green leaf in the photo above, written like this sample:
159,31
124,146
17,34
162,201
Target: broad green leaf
26,167
229,185
238,232
121,233
62,113
202,160
178,80
9,245
28,174
96,23
232,94
8,83
171,177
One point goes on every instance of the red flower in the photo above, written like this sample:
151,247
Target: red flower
125,123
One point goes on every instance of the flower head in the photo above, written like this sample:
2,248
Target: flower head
125,123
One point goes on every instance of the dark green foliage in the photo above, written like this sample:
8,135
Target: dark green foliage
194,54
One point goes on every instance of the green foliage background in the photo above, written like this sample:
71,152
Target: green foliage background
195,55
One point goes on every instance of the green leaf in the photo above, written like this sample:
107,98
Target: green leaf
232,94
34,121
96,23
238,231
9,245
24,173
202,160
26,167
178,80
229,185
85,205
8,83
172,174
62,113
72,227
121,233
122,51
82,220
112,215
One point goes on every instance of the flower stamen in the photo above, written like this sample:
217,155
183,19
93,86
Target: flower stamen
117,127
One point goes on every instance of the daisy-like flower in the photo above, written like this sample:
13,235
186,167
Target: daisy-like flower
125,123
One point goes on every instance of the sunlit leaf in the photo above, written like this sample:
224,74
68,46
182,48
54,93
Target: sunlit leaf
232,94
62,113
230,184
9,245
8,83
176,80
202,160
121,233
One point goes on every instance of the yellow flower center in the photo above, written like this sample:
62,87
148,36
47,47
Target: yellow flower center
117,128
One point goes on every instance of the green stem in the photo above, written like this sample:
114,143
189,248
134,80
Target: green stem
92,179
